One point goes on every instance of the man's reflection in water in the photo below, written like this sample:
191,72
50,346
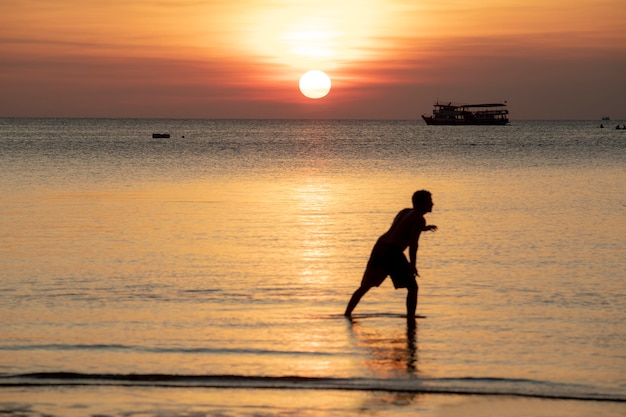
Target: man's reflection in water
392,352
411,347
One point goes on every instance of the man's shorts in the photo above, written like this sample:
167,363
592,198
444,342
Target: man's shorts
388,260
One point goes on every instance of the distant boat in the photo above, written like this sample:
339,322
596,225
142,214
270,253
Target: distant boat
468,114
160,136
606,118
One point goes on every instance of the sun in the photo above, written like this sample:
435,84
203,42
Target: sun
315,84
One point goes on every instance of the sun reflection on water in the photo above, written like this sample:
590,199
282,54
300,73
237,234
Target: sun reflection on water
315,241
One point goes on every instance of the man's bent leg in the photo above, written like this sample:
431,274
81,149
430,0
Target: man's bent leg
356,297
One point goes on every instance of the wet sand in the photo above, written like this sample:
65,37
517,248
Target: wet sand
168,402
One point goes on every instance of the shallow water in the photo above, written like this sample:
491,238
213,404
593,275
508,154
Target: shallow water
232,251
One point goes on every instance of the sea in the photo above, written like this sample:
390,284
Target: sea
206,274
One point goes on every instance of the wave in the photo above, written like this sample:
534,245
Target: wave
145,349
456,386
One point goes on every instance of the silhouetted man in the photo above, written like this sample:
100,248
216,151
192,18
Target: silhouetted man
388,259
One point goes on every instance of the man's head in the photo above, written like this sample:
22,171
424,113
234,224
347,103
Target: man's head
422,201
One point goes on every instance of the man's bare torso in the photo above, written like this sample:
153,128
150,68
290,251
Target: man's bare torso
405,229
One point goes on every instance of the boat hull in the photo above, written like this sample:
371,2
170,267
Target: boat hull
452,122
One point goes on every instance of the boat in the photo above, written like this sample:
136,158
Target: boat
468,114
160,136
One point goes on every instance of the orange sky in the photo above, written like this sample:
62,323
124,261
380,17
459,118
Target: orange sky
388,59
